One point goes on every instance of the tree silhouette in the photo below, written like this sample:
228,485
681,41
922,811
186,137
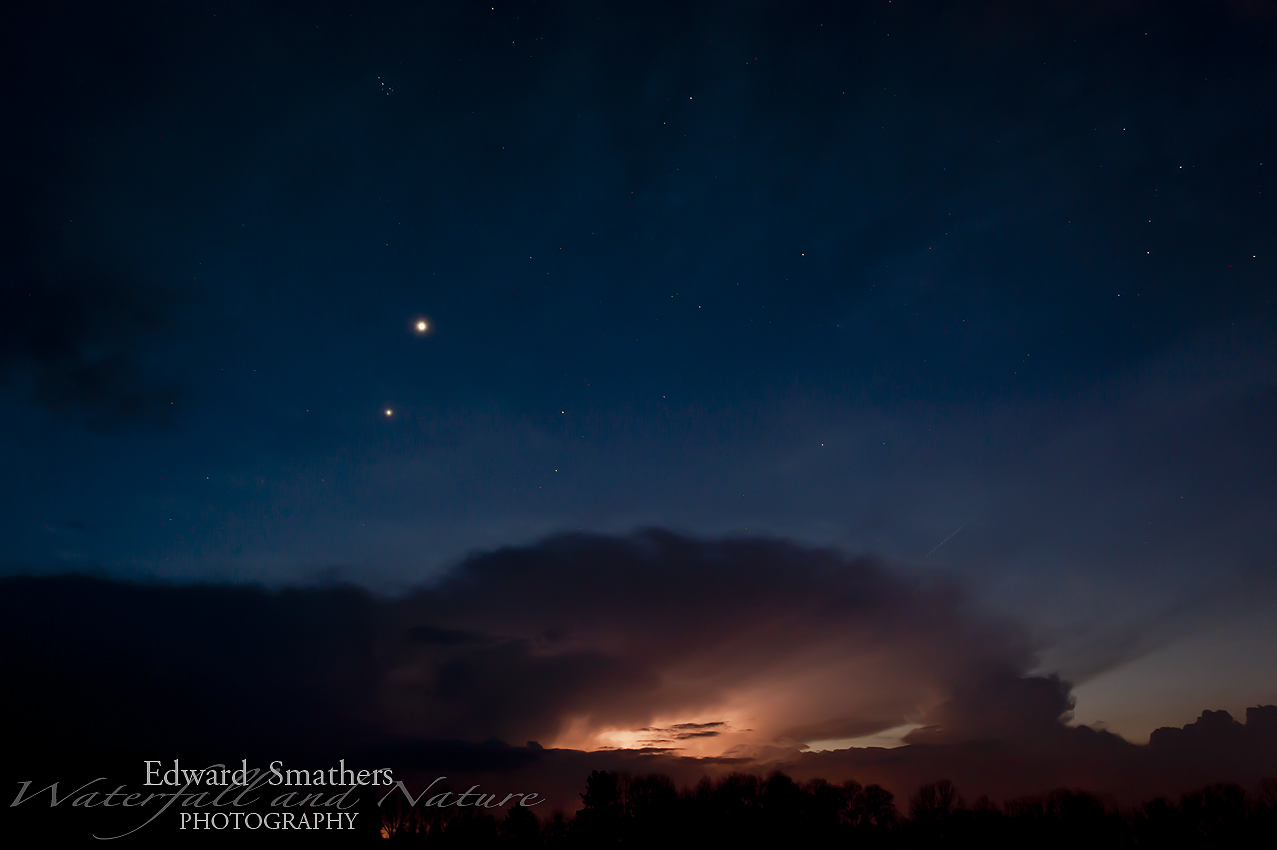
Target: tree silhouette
1216,815
934,803
520,828
652,809
931,811
744,811
599,822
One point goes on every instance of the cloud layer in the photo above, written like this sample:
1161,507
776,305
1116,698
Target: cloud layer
644,653
656,640
588,641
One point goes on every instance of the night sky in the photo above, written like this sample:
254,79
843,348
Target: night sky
833,372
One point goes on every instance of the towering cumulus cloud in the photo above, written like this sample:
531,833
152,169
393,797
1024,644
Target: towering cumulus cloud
653,640
626,653
710,647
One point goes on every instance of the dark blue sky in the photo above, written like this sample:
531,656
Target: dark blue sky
856,275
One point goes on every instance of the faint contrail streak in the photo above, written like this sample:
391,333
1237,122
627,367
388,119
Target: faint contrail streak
946,540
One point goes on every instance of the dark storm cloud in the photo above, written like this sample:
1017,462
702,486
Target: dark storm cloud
998,704
1215,748
99,664
611,633
566,638
744,643
75,324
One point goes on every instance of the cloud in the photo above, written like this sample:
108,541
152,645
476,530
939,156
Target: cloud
586,640
684,656
1001,704
703,647
73,326
1215,748
96,664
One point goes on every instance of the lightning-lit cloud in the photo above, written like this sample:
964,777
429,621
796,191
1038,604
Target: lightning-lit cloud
590,641
644,652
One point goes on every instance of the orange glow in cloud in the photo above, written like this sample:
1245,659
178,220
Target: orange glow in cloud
741,647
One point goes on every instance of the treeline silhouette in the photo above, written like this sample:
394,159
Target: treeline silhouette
743,810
